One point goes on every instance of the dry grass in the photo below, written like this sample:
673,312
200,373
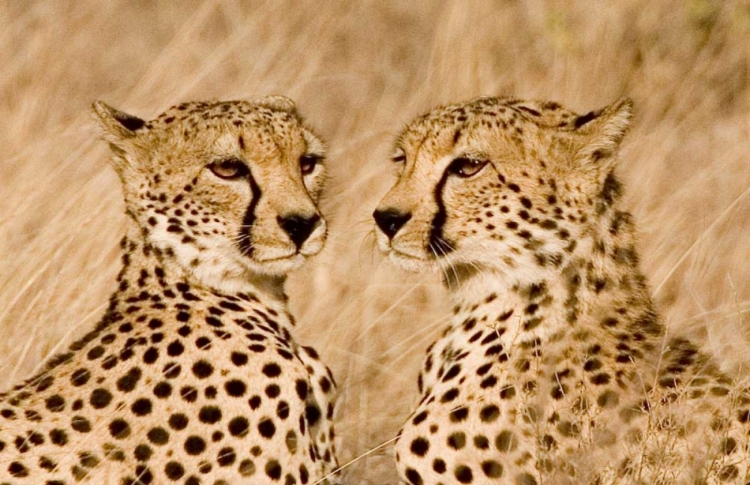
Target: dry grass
358,71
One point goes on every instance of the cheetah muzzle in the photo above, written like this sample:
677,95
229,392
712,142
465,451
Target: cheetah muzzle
192,376
555,367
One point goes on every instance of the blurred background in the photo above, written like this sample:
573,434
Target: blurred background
359,71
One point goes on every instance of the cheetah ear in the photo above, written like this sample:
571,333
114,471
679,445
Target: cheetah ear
604,130
278,103
116,124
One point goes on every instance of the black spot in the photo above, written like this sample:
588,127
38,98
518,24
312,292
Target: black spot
95,352
175,348
282,410
414,477
128,382
162,390
239,358
80,424
226,456
141,407
80,377
452,372
266,428
119,429
492,469
235,388
209,414
202,369
247,468
506,442
150,355
142,452
481,442
100,398
271,370
420,446
489,413
174,470
88,460
273,391
459,414
238,426
463,474
58,437
158,436
273,469
55,403
525,479
457,440
302,389
450,395
178,421
423,415
17,470
600,379
312,414
194,445
172,370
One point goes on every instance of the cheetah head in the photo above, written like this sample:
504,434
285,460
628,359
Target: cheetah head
499,185
228,190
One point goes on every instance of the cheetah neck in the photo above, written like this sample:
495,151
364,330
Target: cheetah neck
598,294
145,267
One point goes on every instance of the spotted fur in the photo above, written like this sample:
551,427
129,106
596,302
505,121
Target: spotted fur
192,376
555,367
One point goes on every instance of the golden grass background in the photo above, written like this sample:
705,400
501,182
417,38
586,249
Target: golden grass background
358,72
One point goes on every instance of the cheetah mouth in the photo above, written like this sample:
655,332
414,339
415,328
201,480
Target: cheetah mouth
410,262
411,257
281,259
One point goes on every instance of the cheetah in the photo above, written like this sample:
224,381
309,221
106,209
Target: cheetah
192,375
555,367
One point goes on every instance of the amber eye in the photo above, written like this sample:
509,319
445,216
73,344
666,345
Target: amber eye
466,167
308,162
229,169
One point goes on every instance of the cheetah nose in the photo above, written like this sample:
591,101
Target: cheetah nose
298,227
390,221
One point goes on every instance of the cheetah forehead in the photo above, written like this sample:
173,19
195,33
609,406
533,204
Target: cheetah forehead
504,113
258,115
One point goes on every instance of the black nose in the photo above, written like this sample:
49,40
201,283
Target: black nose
298,227
390,220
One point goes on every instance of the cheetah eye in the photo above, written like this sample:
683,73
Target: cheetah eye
229,169
466,167
308,162
398,156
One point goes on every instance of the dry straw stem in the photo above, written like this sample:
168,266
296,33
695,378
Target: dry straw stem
359,71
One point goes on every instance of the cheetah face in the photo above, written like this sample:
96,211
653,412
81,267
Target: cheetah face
228,189
498,185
